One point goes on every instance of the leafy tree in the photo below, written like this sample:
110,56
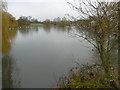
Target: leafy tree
8,21
23,21
47,22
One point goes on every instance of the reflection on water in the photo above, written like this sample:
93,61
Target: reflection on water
27,31
36,57
10,76
47,28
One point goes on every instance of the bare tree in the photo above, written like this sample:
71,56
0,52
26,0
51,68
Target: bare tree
4,5
101,19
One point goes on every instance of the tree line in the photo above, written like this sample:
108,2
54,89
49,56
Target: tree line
58,22
23,21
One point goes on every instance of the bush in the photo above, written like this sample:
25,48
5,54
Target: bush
92,76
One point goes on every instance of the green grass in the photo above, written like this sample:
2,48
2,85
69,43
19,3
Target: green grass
36,24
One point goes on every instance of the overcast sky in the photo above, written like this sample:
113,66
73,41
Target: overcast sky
40,9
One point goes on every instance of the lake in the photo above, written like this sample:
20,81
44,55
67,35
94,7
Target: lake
37,56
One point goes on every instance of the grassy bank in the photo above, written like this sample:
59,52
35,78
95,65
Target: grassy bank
92,76
36,24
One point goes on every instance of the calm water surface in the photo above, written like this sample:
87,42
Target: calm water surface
38,56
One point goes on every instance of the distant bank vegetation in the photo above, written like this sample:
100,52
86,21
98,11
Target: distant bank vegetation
30,21
58,22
